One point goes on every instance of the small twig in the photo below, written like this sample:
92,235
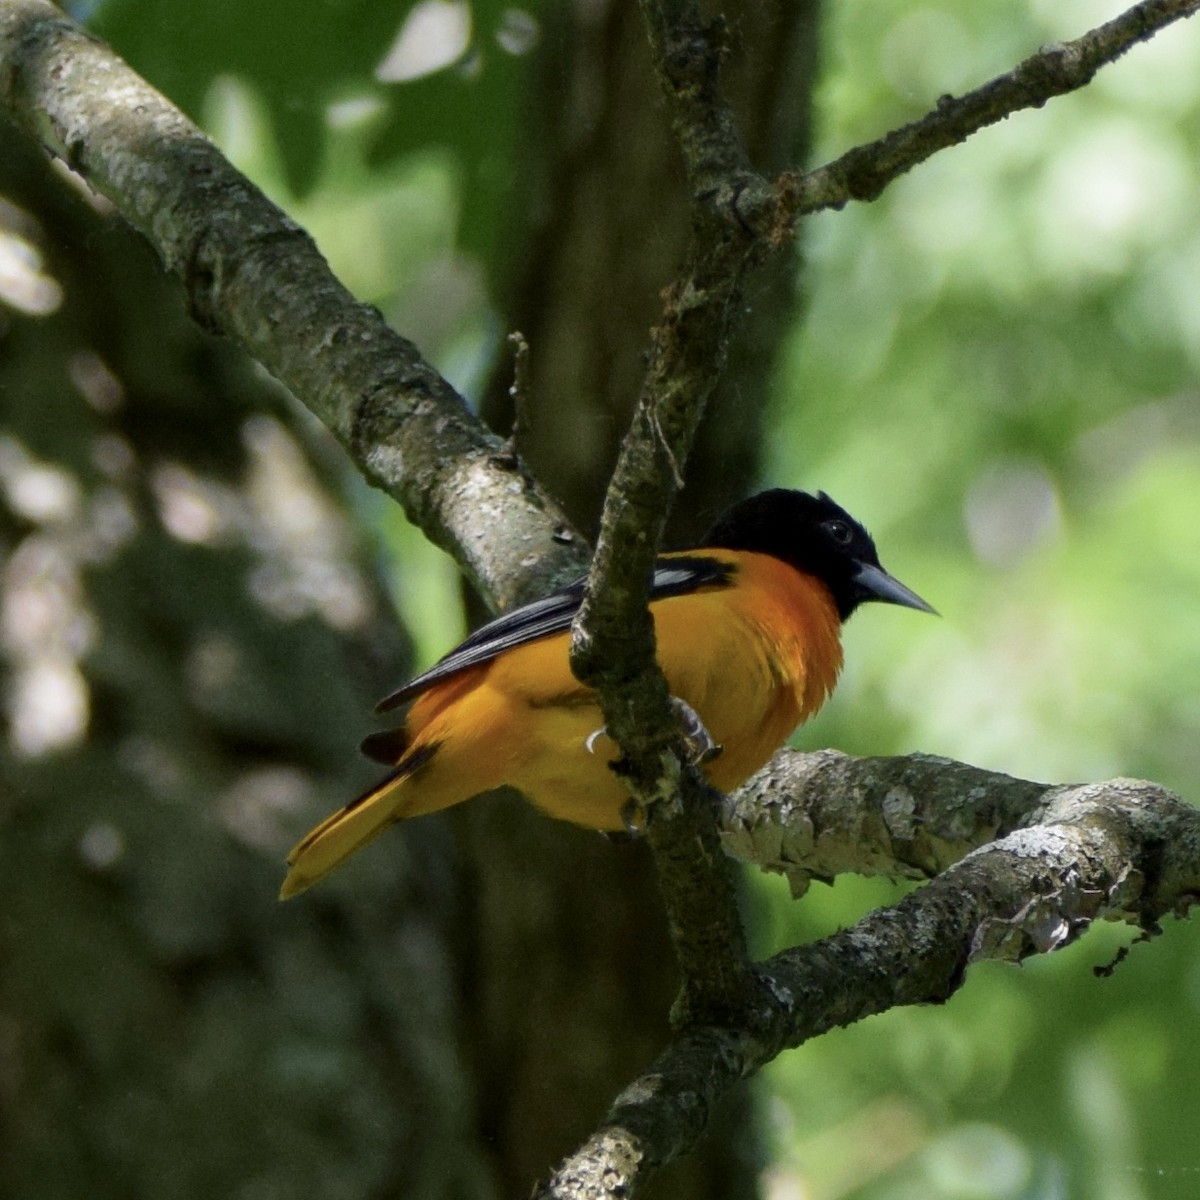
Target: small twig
519,391
863,173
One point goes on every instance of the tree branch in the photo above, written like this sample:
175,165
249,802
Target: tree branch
1122,850
737,219
613,646
252,273
820,815
863,173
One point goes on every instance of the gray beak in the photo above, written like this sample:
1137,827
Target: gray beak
877,584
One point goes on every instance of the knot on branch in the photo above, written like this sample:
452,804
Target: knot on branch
745,201
1059,67
1053,918
692,55
202,276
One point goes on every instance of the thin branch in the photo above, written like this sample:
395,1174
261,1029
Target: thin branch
1122,850
688,53
613,648
863,173
252,273
518,392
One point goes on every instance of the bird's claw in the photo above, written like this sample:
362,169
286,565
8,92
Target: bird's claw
633,818
701,747
699,741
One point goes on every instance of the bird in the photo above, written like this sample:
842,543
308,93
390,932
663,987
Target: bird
747,631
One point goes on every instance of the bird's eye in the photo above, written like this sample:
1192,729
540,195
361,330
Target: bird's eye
840,532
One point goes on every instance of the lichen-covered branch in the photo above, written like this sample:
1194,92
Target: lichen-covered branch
253,274
1121,850
824,814
613,647
863,172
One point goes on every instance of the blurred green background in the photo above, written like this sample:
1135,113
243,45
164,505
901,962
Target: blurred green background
998,370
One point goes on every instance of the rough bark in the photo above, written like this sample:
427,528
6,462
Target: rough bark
1047,862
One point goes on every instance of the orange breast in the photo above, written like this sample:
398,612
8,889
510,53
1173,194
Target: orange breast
753,660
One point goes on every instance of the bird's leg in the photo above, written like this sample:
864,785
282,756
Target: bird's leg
701,748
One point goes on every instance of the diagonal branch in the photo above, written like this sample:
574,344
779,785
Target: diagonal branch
863,173
252,273
1122,850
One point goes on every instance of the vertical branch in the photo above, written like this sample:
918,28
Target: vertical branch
614,638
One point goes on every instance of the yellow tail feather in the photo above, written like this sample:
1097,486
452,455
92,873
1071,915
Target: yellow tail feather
349,829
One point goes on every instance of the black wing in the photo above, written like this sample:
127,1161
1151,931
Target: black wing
676,576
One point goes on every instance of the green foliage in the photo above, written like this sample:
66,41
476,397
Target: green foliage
999,374
296,68
315,64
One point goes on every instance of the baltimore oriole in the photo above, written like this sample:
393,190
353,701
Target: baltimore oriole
747,629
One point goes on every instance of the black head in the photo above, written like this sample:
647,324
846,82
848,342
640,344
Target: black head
818,537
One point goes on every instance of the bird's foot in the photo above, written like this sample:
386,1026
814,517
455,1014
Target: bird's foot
700,743
701,746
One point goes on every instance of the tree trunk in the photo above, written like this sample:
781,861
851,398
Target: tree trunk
192,638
